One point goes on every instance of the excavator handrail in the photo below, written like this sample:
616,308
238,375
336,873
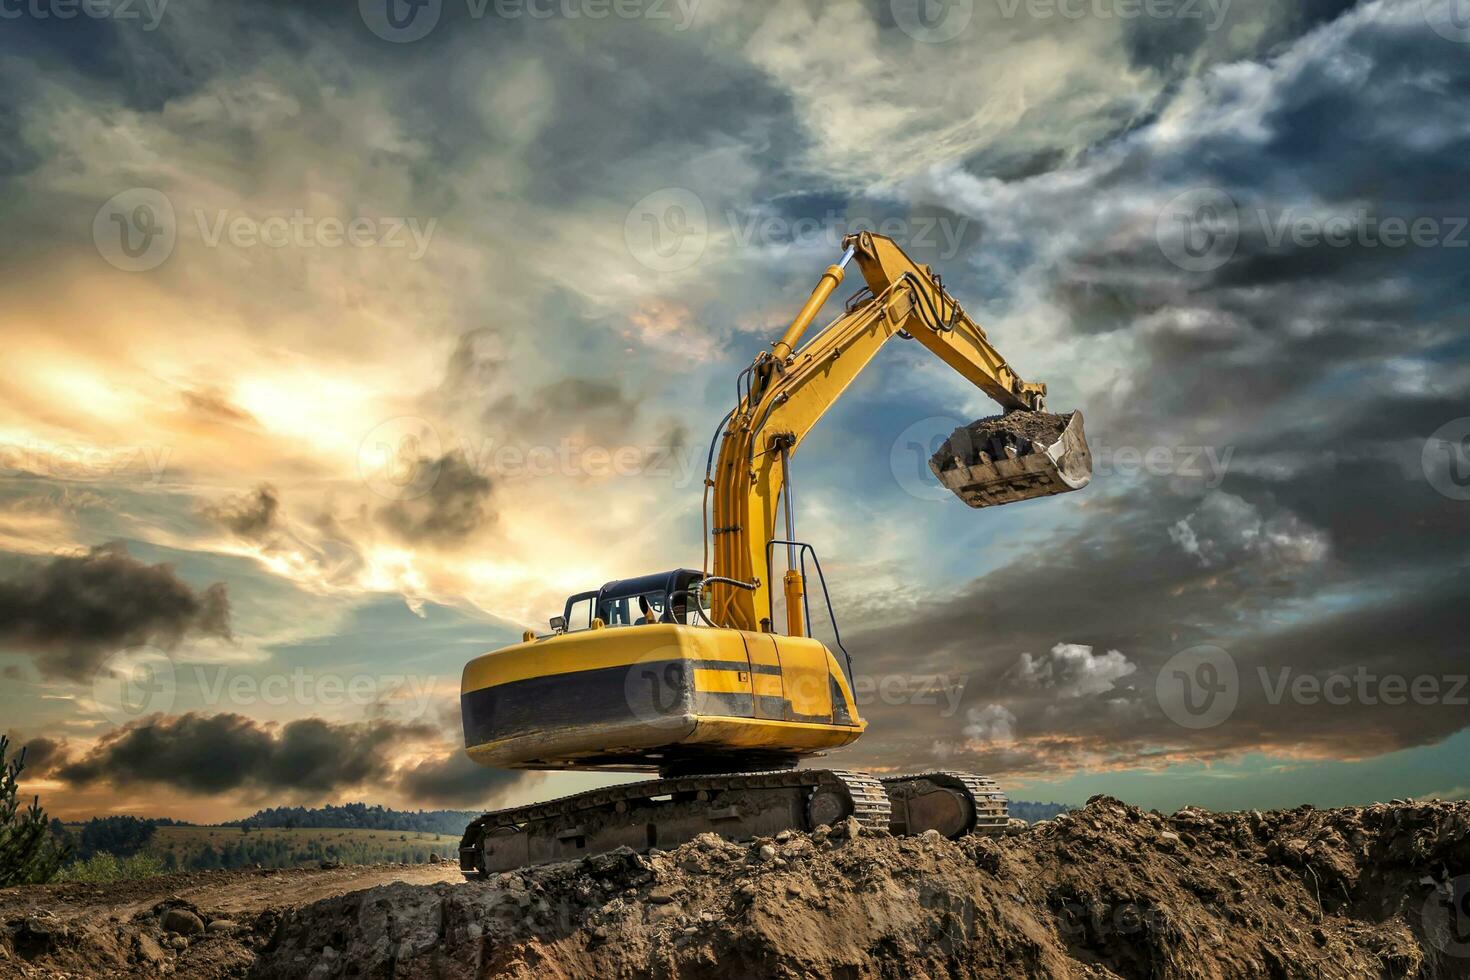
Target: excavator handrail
803,549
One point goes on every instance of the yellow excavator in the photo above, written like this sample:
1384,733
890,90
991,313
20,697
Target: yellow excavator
685,673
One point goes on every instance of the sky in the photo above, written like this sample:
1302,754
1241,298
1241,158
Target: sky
343,341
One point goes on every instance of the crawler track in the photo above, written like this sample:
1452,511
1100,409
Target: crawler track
667,812
953,803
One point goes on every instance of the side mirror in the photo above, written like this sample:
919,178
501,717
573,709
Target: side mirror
558,624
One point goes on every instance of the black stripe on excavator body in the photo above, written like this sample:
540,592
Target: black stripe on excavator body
658,690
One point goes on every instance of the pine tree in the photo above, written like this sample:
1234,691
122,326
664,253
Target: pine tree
29,855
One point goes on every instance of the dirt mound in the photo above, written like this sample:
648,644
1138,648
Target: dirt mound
1108,891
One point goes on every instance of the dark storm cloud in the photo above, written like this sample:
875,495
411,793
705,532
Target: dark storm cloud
456,504
1127,591
75,610
219,753
453,780
252,516
1221,31
43,756
309,758
570,407
1322,549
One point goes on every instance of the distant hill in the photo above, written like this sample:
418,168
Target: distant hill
1032,812
359,816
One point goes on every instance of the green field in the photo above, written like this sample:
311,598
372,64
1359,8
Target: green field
208,848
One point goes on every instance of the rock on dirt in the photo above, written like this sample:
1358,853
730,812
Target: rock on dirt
1106,891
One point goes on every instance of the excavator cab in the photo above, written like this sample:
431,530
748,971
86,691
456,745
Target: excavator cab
617,603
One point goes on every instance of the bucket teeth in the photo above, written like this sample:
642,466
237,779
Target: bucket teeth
1014,457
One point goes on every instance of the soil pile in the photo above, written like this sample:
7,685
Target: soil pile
1107,891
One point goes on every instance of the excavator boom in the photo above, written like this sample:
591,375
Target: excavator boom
792,386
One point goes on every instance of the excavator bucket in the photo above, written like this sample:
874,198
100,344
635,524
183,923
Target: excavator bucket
1015,456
